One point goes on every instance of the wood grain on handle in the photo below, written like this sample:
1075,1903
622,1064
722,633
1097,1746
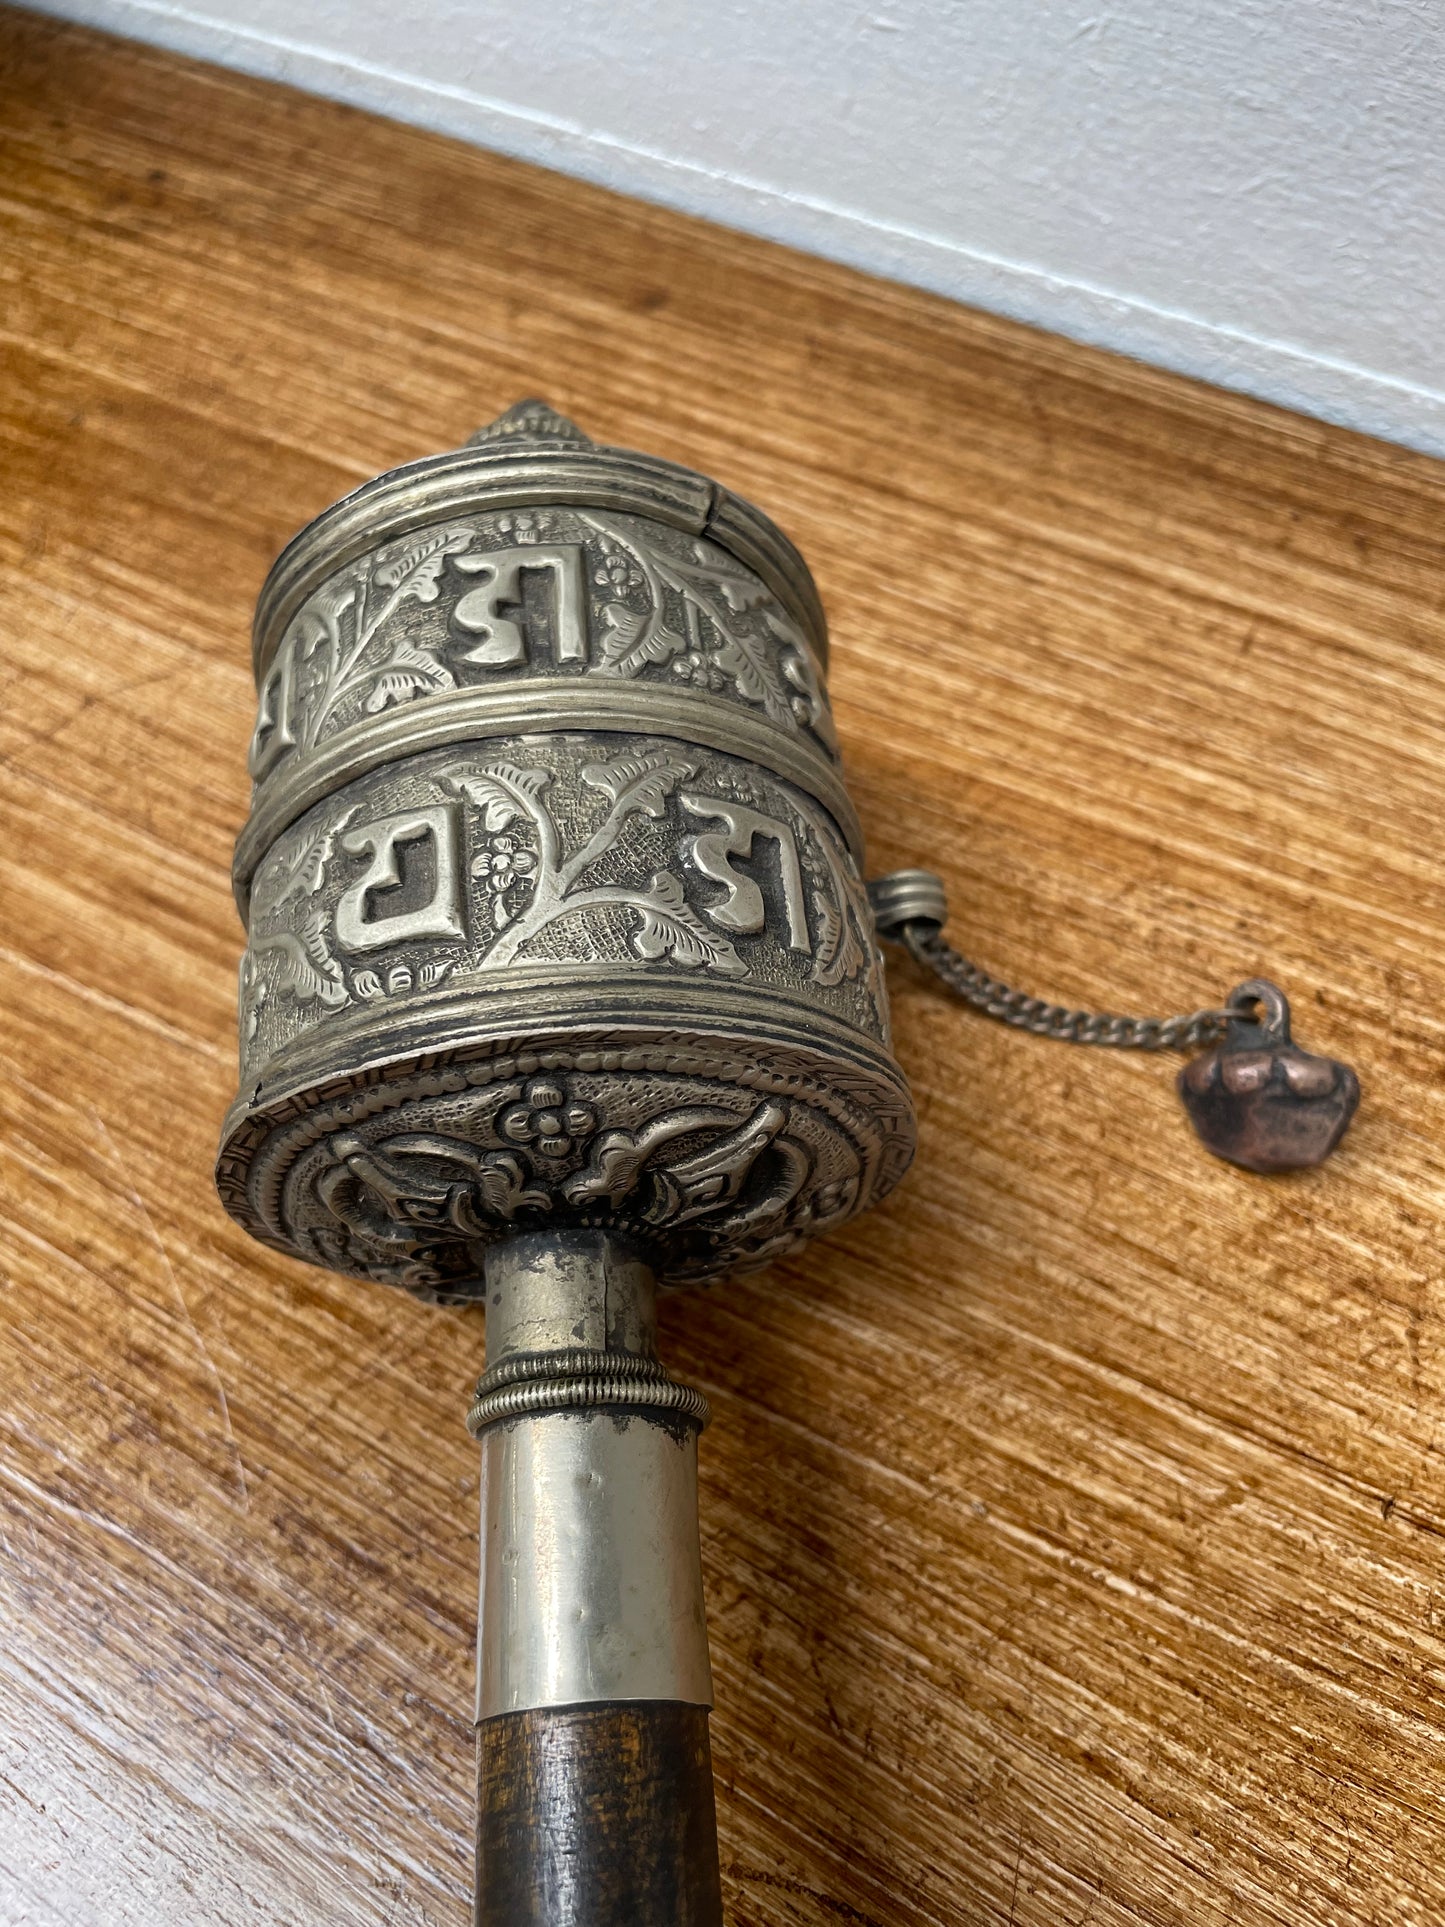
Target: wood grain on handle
597,1816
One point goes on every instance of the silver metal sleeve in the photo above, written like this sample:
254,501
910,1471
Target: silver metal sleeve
591,1575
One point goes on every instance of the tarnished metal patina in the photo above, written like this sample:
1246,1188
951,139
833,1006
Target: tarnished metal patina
553,889
561,983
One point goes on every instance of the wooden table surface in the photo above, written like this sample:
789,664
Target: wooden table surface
1073,1524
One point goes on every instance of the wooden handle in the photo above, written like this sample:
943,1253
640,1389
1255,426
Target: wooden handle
597,1816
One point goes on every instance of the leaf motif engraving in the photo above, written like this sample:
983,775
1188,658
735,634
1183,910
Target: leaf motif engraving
747,660
305,872
416,572
639,783
670,927
725,631
320,620
743,593
630,640
837,954
313,938
831,926
308,969
412,574
503,792
409,672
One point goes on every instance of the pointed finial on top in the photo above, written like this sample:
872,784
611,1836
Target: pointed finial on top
532,421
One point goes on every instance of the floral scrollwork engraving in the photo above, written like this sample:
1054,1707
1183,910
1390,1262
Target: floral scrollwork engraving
636,784
532,595
414,1192
717,625
546,1121
589,854
388,1193
328,657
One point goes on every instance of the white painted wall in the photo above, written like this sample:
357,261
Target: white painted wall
1248,190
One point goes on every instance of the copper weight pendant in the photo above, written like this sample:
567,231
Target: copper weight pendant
1256,1099
1260,1101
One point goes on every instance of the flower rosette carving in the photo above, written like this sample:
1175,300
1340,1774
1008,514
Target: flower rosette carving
546,1122
502,863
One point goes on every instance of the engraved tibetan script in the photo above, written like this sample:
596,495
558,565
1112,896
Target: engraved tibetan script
743,908
494,611
362,919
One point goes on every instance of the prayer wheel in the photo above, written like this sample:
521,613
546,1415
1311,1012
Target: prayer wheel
561,987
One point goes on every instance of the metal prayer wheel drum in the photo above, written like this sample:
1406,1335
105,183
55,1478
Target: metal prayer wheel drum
561,983
552,886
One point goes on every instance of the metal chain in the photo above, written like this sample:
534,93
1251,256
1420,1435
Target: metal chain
1014,1007
909,906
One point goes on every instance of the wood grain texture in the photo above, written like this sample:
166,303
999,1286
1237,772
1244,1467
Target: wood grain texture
1073,1524
597,1816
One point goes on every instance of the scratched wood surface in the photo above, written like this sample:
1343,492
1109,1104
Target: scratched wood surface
1073,1524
